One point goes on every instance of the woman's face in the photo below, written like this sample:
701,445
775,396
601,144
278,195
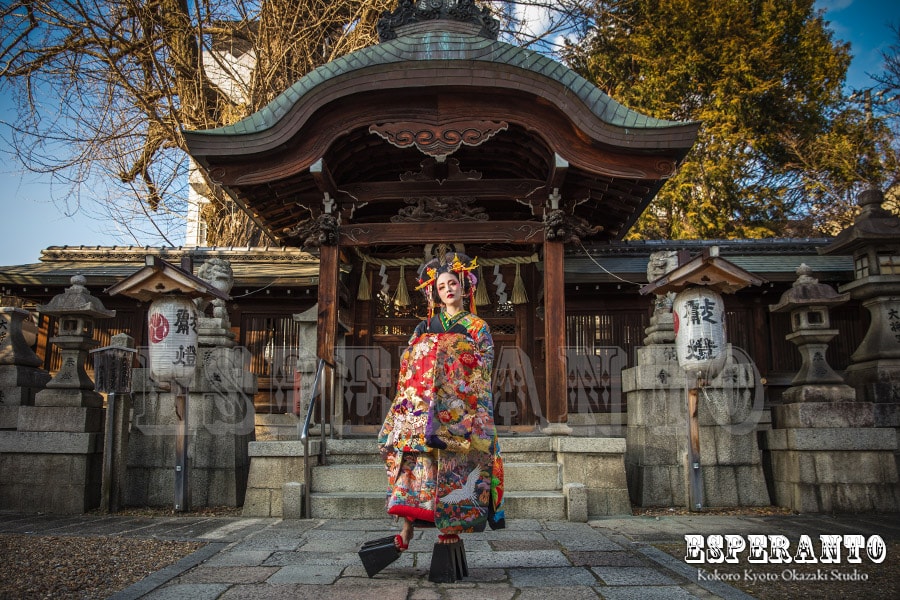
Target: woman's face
449,290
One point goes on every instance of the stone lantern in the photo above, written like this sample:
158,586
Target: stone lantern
20,374
75,311
808,303
874,242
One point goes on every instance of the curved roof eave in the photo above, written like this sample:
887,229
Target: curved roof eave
449,48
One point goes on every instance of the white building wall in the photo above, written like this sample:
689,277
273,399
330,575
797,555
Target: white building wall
232,75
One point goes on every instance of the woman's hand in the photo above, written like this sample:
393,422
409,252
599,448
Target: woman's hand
386,451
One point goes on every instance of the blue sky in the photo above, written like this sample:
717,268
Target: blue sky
30,220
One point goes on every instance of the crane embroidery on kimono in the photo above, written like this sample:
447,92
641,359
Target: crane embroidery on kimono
466,492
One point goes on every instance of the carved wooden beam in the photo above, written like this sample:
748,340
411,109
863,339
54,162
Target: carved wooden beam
558,172
510,232
483,189
438,140
322,176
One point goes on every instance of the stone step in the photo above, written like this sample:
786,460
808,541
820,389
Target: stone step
347,505
545,505
349,478
365,451
533,449
353,451
531,477
372,477
541,505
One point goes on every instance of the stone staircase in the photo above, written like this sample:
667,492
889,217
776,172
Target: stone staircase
546,478
354,482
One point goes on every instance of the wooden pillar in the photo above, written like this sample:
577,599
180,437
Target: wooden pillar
692,468
327,322
555,336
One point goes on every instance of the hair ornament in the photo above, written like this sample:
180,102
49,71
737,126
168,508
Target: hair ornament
430,271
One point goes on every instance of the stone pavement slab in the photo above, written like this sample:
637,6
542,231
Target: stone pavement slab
632,576
552,577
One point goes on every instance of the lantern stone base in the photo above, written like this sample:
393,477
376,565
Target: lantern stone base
846,469
657,435
18,387
60,418
221,422
878,381
54,396
53,462
823,414
819,393
214,332
50,472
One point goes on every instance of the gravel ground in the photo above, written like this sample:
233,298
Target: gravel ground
63,567
88,568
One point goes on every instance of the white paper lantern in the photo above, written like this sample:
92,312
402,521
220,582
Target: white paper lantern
699,315
172,333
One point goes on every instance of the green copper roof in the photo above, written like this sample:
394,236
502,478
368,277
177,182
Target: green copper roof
445,46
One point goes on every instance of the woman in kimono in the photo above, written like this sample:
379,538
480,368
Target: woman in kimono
438,440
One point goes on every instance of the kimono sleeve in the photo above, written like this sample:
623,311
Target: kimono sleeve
481,335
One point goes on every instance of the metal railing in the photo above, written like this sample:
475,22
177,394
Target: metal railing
304,434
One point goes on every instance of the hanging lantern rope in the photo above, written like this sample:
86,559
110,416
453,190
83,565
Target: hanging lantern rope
481,293
415,262
401,296
518,294
364,293
389,262
512,260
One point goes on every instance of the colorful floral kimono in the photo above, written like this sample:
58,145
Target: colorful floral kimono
438,439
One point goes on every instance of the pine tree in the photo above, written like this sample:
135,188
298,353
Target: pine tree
764,77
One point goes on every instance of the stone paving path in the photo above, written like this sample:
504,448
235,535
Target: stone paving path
530,560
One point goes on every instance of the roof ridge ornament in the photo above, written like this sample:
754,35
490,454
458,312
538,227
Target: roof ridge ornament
421,11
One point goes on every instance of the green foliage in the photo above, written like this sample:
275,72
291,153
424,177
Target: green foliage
764,77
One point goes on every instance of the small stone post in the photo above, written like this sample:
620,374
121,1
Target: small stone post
306,369
306,360
113,366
